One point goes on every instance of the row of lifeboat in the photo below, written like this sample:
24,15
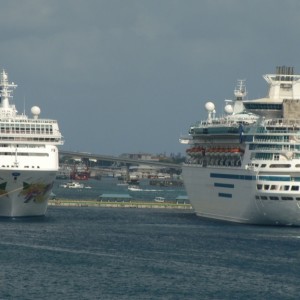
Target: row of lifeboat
201,151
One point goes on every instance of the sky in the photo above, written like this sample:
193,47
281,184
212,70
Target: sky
131,76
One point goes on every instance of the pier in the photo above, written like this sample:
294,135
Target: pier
118,204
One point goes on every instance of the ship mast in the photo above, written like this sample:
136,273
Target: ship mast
240,93
6,88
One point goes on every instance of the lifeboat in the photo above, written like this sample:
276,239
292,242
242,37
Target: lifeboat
195,151
227,151
199,151
236,150
209,150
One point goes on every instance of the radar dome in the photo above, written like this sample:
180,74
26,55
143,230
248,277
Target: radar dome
35,110
228,109
209,106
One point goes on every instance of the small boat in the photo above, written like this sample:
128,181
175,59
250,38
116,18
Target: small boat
73,185
134,188
159,199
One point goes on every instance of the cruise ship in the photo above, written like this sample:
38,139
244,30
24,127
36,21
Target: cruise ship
28,157
244,166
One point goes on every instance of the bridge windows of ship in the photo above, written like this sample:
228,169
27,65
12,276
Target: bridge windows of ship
26,128
263,106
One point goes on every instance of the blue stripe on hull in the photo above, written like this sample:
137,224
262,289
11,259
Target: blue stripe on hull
232,176
224,185
225,195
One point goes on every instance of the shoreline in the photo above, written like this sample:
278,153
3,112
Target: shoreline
125,204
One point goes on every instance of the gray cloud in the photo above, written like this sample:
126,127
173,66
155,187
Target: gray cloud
129,76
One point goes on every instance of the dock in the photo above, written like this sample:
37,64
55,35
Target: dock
122,204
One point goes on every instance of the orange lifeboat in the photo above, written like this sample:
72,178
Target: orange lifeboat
236,150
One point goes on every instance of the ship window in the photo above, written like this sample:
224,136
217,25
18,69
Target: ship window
263,197
285,86
286,198
297,166
262,106
259,186
273,187
286,187
280,165
298,198
274,198
295,188
276,157
266,187
263,165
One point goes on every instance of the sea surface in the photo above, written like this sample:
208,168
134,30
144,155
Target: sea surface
126,253
94,188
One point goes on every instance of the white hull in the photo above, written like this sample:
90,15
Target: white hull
28,157
245,166
230,194
25,193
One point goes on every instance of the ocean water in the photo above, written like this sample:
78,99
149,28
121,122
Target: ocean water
143,192
123,253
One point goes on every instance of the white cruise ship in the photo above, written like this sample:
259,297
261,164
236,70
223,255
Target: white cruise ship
28,157
245,166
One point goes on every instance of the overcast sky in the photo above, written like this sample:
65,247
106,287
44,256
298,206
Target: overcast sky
133,75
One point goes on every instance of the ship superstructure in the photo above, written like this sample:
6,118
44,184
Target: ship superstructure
28,157
245,166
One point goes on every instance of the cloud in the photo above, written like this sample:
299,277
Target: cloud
132,75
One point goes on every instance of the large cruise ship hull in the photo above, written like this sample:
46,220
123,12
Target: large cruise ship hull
230,194
25,193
